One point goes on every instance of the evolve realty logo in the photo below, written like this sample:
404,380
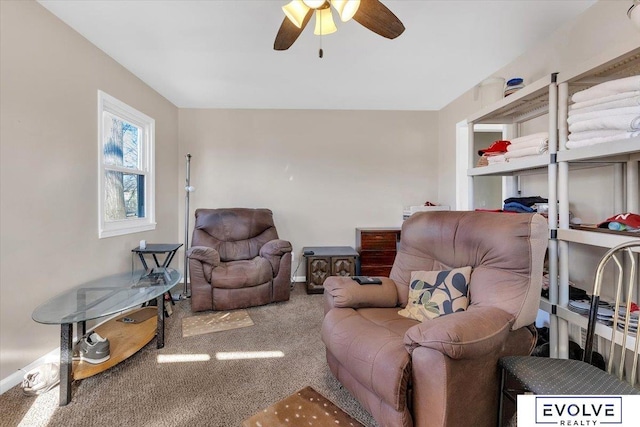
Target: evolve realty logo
578,410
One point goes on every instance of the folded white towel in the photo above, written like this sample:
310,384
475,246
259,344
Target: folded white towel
611,87
496,159
602,139
590,134
538,142
605,99
525,152
619,103
604,113
540,136
628,122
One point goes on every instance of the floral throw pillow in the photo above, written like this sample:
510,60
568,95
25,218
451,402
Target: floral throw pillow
436,293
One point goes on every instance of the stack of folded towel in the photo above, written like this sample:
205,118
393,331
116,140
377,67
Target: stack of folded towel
527,146
495,159
606,112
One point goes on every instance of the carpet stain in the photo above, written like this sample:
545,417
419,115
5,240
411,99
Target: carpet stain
215,322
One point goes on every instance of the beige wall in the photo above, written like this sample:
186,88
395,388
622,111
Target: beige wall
49,77
323,173
600,29
487,190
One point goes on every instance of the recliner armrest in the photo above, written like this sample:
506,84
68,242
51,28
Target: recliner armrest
465,335
273,250
346,292
276,247
204,254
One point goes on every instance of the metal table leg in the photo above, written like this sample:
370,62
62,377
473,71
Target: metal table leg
165,264
501,396
144,262
160,331
66,375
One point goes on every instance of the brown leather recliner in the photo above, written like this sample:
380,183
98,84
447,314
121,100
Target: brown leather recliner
442,371
237,260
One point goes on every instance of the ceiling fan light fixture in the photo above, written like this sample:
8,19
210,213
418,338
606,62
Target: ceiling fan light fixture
346,8
296,11
634,13
324,22
371,14
314,4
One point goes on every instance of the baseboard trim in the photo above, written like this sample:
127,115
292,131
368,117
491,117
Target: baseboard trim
52,357
16,378
298,279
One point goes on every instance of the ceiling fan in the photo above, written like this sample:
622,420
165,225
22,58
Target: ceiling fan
371,14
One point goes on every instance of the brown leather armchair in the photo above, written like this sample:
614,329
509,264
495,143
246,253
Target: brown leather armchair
237,260
441,371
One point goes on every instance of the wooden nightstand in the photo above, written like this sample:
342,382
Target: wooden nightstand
328,261
377,248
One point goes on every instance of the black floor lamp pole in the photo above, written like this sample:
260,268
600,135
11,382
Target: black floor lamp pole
188,190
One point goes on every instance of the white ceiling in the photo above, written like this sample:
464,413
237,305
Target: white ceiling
219,53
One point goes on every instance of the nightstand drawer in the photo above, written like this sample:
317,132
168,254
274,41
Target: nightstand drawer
378,240
377,257
375,271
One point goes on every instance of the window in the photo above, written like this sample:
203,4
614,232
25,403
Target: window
126,168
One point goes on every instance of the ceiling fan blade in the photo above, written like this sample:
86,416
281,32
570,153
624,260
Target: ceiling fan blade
288,32
378,18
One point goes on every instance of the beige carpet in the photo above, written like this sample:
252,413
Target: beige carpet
306,407
193,382
215,322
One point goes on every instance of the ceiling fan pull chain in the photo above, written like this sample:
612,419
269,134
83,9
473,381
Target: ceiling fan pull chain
320,51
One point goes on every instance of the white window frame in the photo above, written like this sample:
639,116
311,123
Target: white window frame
111,105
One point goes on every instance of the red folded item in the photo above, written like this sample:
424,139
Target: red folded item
631,220
496,147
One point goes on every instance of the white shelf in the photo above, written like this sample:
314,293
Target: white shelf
603,67
603,152
574,318
594,238
601,329
513,167
529,102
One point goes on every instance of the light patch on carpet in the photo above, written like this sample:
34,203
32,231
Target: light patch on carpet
238,355
181,358
215,322
306,407
42,409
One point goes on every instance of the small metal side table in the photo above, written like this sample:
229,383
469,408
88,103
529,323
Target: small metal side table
169,249
155,249
325,261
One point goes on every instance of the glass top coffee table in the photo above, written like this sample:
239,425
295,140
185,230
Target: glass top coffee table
99,298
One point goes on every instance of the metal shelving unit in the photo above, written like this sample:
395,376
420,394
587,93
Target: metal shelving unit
625,154
534,100
551,96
